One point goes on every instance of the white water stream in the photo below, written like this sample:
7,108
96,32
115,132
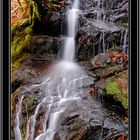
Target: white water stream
17,120
61,86
72,20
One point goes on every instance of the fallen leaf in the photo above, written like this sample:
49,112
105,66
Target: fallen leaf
92,91
126,120
121,137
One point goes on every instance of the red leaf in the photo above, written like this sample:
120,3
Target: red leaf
91,91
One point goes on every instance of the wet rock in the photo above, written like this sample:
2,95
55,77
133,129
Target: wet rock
92,133
110,62
52,17
94,36
81,123
100,60
16,84
108,71
45,45
55,23
85,47
114,89
101,84
25,76
57,137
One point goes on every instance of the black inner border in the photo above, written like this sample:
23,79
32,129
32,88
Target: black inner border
133,71
6,82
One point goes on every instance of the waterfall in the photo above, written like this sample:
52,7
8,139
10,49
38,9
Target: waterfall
72,20
66,77
60,87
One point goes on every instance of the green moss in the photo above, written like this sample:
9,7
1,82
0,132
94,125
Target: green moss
19,25
34,10
112,88
28,30
114,46
21,60
30,101
20,43
120,94
23,29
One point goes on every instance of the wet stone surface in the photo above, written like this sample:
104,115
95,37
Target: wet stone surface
80,119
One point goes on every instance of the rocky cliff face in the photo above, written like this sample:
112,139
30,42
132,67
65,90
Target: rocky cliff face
103,25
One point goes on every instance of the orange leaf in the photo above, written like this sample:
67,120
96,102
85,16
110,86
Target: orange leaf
121,137
113,59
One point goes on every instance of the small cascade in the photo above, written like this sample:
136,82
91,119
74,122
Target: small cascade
125,41
112,4
17,120
70,77
121,39
69,44
101,16
46,116
98,8
31,123
102,48
103,37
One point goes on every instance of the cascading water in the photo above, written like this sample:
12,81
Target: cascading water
69,45
103,44
66,66
17,120
61,86
124,42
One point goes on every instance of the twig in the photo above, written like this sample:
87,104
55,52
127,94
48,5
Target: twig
27,112
110,135
117,135
15,9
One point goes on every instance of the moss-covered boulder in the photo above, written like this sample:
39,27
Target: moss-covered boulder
111,70
118,87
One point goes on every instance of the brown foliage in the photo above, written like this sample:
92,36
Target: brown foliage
117,56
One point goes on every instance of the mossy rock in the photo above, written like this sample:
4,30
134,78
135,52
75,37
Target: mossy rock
21,60
107,71
118,87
